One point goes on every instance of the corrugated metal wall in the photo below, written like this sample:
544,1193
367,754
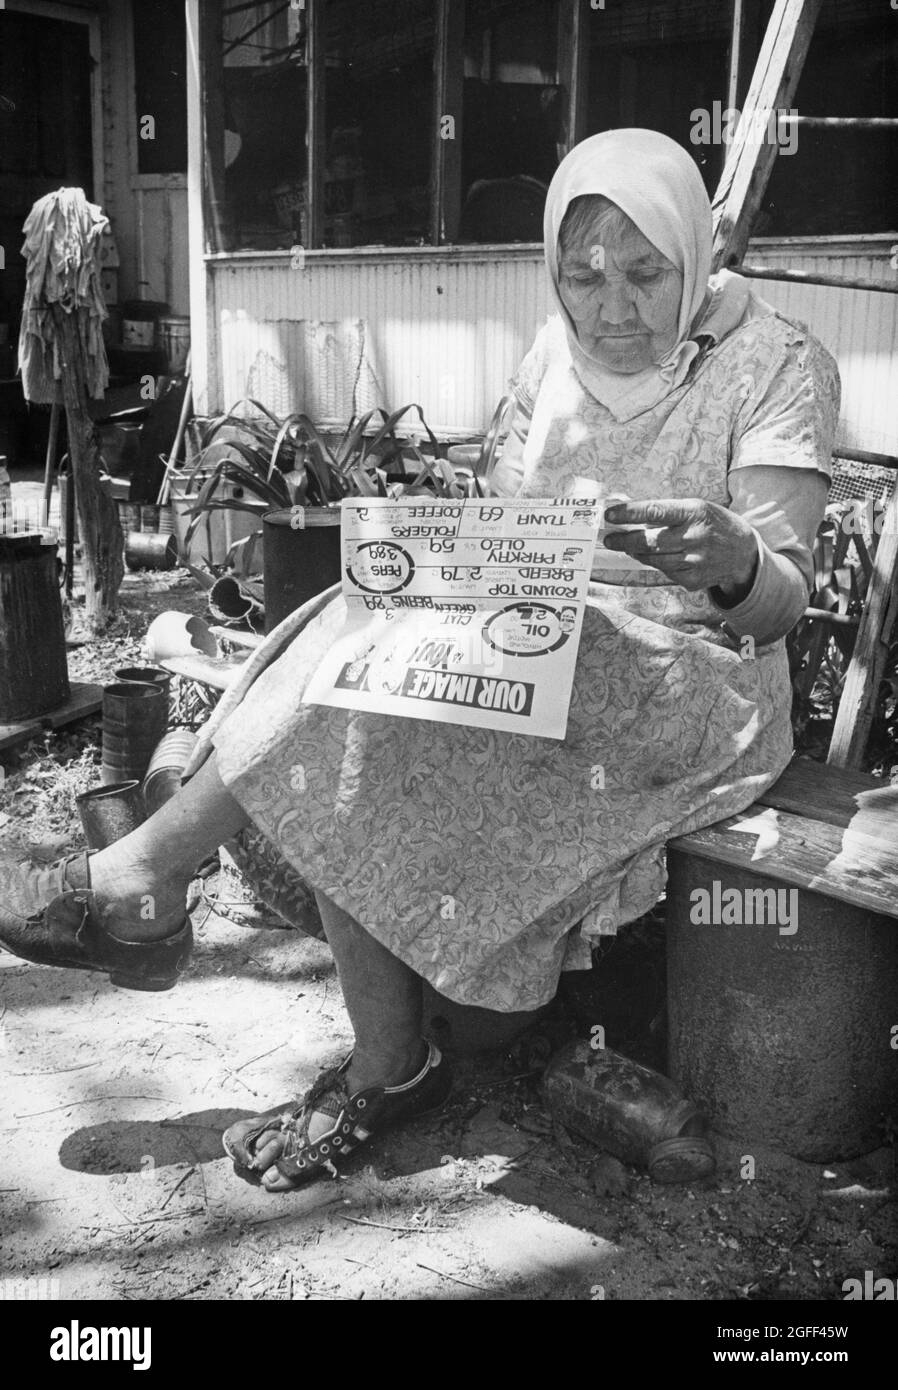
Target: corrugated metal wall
346,333
860,329
446,329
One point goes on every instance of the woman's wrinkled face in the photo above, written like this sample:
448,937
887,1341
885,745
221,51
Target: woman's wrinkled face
622,293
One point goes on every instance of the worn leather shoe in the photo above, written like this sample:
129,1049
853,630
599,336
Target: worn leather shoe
50,917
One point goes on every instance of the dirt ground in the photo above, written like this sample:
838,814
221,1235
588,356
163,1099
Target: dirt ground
113,1184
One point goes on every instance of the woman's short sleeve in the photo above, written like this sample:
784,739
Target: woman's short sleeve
526,381
792,419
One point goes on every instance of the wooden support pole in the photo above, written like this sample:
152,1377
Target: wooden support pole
860,692
736,53
211,56
316,136
751,155
448,106
101,533
50,463
573,67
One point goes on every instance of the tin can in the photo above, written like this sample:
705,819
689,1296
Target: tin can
163,776
134,720
110,812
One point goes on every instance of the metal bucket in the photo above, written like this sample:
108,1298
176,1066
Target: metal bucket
163,777
146,550
299,563
134,720
173,337
111,812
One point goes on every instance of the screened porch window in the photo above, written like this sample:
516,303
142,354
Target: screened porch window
342,123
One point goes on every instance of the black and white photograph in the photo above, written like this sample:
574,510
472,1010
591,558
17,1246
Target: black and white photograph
448,671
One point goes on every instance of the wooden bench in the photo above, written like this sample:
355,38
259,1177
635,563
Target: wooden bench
787,1037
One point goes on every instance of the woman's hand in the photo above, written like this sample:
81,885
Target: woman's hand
697,544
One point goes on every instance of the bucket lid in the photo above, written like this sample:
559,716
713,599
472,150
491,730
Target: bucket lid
24,544
686,1159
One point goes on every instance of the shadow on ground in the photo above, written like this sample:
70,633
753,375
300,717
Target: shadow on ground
120,1146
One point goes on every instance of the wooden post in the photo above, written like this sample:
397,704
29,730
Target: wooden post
50,462
315,116
736,54
448,105
573,67
750,160
201,290
860,692
101,533
211,55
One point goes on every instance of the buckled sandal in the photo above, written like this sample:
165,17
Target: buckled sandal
51,917
355,1118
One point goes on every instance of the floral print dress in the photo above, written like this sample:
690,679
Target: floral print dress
488,861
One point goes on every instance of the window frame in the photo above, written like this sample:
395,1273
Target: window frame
445,176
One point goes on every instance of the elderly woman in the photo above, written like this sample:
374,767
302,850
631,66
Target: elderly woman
715,416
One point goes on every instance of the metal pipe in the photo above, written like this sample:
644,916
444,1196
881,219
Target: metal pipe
840,619
840,122
802,277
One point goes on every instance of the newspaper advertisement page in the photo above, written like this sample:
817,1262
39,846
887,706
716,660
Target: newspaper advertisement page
462,612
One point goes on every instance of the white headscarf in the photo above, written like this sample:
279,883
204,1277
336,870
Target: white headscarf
658,186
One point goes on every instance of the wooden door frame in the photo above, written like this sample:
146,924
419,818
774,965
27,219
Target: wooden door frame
43,9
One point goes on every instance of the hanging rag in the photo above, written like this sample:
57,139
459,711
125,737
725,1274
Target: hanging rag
62,240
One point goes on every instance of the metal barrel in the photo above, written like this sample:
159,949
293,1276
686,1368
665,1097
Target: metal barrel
134,720
163,776
298,563
150,550
108,813
33,666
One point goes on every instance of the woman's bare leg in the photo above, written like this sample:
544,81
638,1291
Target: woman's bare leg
384,1001
144,877
383,998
